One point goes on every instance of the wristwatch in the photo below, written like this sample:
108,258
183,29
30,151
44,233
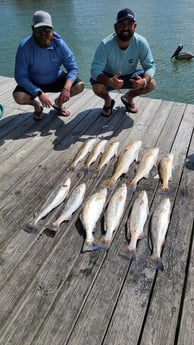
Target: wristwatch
145,83
39,93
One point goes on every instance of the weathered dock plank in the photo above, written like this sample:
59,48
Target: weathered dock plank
52,293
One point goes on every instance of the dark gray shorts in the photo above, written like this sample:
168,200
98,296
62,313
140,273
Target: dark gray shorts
55,86
125,78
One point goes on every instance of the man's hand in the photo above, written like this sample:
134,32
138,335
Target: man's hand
45,100
137,83
63,97
116,83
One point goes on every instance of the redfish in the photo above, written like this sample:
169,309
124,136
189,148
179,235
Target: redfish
85,148
125,160
54,200
95,152
159,226
113,215
135,224
147,162
165,169
73,203
110,151
91,212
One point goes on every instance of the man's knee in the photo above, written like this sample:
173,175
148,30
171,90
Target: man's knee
151,85
21,97
77,88
99,89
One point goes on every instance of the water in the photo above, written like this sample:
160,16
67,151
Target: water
82,23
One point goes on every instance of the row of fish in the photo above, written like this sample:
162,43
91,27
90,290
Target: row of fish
55,199
93,150
92,211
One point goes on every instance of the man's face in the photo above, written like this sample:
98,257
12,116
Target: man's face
125,29
43,36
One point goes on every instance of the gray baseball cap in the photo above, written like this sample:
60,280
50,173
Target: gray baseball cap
41,18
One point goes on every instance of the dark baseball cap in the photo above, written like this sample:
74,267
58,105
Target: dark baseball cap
126,13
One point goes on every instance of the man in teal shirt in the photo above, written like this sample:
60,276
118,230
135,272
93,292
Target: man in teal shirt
38,63
115,64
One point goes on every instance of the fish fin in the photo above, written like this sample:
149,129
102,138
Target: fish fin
29,228
89,247
155,263
127,253
104,243
109,182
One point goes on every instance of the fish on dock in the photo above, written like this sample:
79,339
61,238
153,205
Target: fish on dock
129,155
135,224
113,215
159,225
95,153
147,162
54,200
110,151
165,169
85,148
91,212
75,200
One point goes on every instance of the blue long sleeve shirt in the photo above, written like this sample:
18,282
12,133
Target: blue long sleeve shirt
111,59
43,65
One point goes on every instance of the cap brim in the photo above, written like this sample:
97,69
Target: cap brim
127,17
42,24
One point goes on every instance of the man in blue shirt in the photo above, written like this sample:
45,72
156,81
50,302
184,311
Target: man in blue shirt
38,63
115,64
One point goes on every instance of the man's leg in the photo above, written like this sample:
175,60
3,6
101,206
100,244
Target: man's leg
101,91
77,88
26,99
131,94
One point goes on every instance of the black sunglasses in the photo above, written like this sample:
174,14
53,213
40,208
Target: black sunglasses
42,29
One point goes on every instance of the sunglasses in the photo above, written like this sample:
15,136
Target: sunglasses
42,29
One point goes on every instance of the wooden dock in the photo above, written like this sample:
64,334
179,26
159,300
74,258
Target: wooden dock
50,292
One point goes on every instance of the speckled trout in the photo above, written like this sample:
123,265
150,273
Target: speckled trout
147,162
113,215
54,200
95,153
91,212
129,155
75,200
85,148
110,151
165,169
159,226
135,224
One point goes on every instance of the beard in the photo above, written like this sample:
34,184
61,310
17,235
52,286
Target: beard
124,36
44,41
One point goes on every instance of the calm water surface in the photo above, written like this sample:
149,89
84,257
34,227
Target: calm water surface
82,23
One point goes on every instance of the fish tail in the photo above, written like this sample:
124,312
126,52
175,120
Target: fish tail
133,185
90,247
127,253
164,187
71,167
53,227
109,182
155,263
104,243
